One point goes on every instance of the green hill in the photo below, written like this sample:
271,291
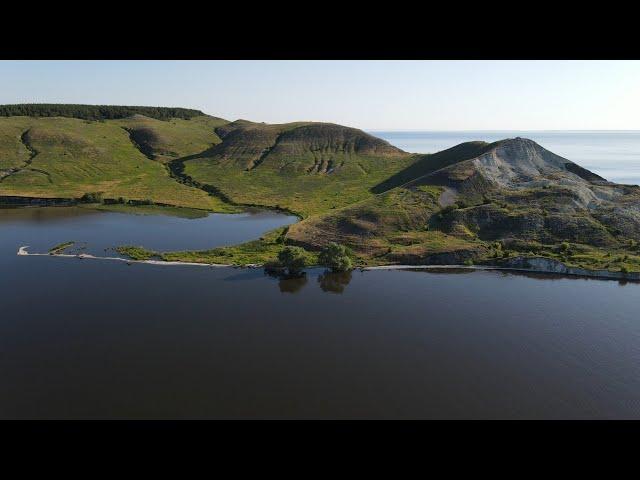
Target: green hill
68,157
306,167
514,198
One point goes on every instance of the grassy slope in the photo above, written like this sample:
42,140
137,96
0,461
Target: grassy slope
304,194
304,167
428,163
257,251
13,153
78,156
384,228
174,138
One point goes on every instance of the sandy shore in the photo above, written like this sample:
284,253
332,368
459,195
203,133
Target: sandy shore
82,256
572,273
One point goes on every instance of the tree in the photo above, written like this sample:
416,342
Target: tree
336,257
293,259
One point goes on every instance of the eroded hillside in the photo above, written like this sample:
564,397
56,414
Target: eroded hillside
515,197
305,167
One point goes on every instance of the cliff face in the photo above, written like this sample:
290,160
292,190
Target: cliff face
548,265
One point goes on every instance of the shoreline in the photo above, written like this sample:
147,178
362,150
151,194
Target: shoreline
22,251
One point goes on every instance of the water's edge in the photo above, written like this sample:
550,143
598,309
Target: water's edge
535,265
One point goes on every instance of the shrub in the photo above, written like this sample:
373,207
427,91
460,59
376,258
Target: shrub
448,209
293,259
91,197
336,257
624,269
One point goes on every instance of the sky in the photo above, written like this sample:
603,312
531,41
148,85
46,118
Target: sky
372,95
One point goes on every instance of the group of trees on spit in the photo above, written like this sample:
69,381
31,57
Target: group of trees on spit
334,257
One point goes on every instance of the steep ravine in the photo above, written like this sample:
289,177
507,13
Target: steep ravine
24,138
176,171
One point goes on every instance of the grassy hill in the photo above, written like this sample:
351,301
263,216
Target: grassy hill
305,167
514,198
68,157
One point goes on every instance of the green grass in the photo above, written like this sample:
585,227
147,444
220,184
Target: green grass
258,251
177,137
305,194
307,168
136,252
61,247
78,156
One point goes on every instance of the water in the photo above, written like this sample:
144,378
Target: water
614,155
94,230
90,339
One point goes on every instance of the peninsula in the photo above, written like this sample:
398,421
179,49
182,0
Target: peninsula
510,204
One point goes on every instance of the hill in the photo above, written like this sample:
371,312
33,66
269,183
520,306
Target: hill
69,157
514,198
306,167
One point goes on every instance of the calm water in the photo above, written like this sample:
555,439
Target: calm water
89,339
615,155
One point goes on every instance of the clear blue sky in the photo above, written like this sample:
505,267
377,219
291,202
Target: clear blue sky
373,95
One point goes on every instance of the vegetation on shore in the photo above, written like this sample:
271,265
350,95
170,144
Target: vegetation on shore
261,251
61,247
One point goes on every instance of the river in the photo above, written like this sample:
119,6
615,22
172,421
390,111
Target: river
88,339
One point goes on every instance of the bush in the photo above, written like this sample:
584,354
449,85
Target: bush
293,259
624,269
336,257
91,197
448,209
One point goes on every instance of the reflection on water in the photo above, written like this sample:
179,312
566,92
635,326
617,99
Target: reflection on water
334,282
91,339
292,284
41,228
330,282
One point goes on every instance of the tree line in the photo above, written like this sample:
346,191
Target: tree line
95,112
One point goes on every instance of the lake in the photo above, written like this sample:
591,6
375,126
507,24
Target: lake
91,339
615,155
